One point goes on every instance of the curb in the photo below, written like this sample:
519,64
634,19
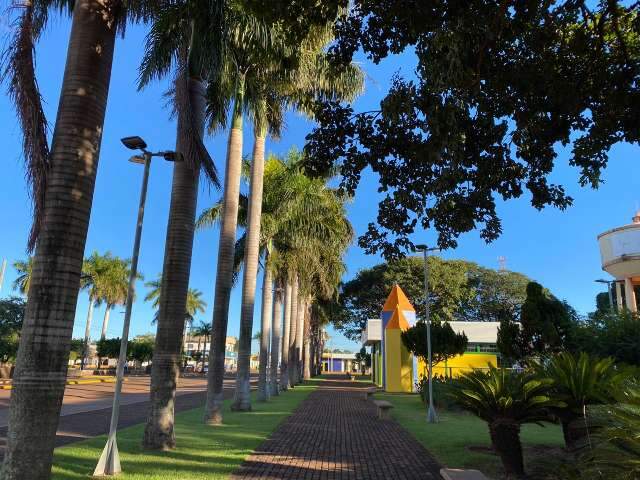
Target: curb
77,382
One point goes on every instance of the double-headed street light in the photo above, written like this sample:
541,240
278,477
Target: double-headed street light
432,417
109,463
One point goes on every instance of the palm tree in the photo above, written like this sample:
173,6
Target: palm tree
247,51
183,38
194,305
23,280
506,400
203,330
581,380
92,270
113,287
294,208
63,181
276,338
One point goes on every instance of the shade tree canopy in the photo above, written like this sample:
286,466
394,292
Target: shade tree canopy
499,88
458,290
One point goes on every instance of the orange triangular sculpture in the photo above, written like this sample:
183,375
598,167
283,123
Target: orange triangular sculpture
397,320
397,298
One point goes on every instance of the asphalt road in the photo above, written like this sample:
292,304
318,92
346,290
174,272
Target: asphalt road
86,409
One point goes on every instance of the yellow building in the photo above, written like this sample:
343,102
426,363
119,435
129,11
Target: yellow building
396,374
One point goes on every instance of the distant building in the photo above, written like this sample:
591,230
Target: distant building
338,362
195,343
481,349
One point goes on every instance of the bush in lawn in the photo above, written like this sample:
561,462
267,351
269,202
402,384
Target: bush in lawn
506,400
581,380
442,392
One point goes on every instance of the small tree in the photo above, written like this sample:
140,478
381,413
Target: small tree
108,347
445,342
140,350
546,326
11,316
77,349
363,359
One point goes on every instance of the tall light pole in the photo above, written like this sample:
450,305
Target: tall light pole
3,268
610,284
432,417
109,463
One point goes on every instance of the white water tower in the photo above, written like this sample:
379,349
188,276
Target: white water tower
620,254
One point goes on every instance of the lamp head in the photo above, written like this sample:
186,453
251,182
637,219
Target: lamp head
172,156
134,143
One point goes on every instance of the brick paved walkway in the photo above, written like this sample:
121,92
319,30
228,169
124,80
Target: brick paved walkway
335,435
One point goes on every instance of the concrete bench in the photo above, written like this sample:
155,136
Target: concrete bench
383,409
457,474
368,392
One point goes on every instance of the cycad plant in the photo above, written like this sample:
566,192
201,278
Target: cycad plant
506,400
619,456
580,380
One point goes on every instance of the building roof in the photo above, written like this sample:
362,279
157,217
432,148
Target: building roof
344,356
477,332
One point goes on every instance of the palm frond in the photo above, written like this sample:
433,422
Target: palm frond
18,70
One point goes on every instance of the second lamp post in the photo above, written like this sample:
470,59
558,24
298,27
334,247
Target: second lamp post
432,417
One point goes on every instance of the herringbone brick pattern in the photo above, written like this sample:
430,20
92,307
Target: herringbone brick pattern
335,435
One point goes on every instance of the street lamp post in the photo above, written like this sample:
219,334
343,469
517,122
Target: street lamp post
109,463
610,284
432,417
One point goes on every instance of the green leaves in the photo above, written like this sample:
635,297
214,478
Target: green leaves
498,87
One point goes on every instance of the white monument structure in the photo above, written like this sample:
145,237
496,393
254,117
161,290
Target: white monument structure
620,254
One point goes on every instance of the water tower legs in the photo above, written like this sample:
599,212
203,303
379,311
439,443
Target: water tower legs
618,297
630,295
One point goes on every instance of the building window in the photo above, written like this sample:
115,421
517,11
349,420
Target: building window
482,348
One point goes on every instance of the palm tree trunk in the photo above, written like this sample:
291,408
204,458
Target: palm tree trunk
224,272
276,334
302,303
284,363
41,366
167,357
242,397
307,344
105,322
293,360
505,437
87,334
267,311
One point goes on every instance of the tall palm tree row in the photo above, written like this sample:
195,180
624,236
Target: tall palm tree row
294,207
63,180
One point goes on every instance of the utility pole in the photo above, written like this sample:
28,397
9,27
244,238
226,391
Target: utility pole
2,270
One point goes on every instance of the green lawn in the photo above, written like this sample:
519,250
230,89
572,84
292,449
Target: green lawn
203,452
450,439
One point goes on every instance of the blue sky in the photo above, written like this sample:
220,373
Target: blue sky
558,249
